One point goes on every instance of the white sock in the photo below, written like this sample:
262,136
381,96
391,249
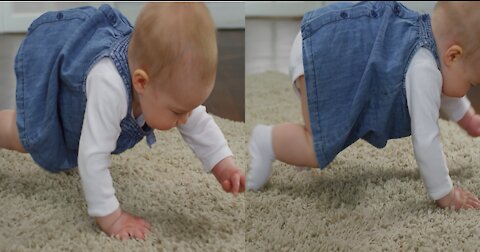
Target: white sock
260,148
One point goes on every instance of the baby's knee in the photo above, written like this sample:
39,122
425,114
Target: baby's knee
9,131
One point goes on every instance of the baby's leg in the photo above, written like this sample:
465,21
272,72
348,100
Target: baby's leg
288,142
292,142
9,138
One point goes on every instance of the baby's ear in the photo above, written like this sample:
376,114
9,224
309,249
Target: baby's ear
139,80
452,54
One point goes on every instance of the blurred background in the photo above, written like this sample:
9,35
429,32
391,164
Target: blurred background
271,28
228,97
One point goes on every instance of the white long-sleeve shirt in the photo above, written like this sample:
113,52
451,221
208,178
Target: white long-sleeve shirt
423,84
107,105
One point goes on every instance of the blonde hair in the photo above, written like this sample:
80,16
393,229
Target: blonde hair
461,25
167,34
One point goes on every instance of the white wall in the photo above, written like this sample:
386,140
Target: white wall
17,16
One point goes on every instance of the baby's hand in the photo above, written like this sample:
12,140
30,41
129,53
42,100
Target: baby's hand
474,129
229,176
458,199
123,225
471,123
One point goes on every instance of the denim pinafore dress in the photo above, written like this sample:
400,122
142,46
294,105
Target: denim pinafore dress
355,58
51,67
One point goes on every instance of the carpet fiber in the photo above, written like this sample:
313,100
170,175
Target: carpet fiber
186,207
367,199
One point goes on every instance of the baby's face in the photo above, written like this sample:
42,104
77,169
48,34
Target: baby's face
168,106
458,79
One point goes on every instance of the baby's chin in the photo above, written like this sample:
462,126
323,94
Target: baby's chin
457,93
165,127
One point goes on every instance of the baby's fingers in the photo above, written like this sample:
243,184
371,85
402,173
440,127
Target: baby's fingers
145,224
469,205
144,231
137,234
474,204
226,185
476,132
473,201
123,235
242,183
468,194
236,183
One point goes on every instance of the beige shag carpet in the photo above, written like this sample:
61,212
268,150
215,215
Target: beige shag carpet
368,199
186,207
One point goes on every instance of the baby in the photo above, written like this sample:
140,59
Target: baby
89,84
378,71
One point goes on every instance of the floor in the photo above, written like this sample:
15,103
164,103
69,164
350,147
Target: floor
227,99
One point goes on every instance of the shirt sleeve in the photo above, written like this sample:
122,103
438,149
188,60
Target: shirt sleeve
205,138
454,108
106,107
423,89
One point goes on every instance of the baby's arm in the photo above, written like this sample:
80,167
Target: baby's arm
206,140
106,107
423,86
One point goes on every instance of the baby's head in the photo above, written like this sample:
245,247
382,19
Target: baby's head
456,28
173,60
